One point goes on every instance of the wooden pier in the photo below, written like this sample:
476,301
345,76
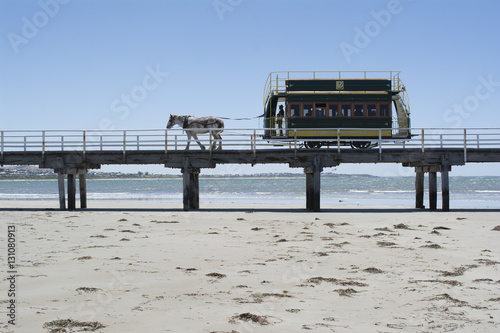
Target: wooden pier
72,153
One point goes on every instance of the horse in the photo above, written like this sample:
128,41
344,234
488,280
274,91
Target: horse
194,126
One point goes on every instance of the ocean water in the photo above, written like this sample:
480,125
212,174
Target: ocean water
465,192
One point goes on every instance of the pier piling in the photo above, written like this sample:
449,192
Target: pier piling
313,185
191,186
71,191
419,189
432,190
62,195
71,174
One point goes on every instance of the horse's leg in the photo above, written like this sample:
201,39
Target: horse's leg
219,138
214,137
198,141
189,141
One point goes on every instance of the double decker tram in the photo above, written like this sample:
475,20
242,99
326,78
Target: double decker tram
331,108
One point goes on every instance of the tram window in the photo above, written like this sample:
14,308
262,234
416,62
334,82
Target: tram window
308,110
320,110
358,110
295,110
384,110
346,110
333,110
372,110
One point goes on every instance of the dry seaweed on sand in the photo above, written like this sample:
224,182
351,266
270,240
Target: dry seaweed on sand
157,221
447,297
383,229
87,290
448,282
373,270
401,226
497,228
346,292
319,279
432,246
385,244
441,228
259,297
247,316
216,275
458,271
61,325
84,258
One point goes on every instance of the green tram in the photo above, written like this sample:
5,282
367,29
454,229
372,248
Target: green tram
328,108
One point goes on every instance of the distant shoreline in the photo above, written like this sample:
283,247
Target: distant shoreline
130,176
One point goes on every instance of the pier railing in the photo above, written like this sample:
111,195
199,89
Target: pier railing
233,139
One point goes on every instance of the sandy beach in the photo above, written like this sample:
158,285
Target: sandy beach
251,269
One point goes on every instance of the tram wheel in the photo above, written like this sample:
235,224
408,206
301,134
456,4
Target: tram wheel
312,144
361,145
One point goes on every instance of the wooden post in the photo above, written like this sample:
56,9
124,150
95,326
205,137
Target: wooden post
313,185
445,189
309,187
432,190
419,188
191,187
71,191
83,189
62,195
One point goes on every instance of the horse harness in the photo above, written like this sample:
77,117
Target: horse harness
185,121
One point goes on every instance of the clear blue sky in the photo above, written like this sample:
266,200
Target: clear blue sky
67,64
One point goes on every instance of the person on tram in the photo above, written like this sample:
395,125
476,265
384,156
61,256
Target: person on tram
279,120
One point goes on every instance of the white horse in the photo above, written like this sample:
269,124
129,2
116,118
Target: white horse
194,126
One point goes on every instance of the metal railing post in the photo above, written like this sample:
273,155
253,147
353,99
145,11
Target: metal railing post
138,142
100,142
43,144
295,141
2,142
62,144
166,142
465,145
423,141
338,140
210,139
477,141
84,143
124,143
380,144
25,145
254,142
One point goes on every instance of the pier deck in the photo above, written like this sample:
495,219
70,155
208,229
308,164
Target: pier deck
73,153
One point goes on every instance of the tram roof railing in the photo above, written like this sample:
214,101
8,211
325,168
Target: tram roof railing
276,81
